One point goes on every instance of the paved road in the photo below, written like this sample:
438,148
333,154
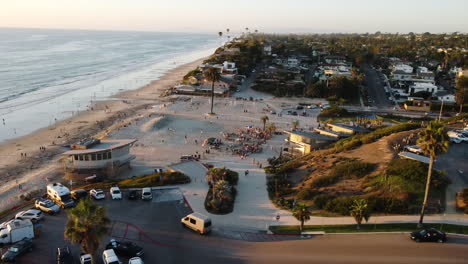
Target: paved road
359,249
375,88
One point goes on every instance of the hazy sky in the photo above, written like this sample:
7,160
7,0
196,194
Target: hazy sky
214,15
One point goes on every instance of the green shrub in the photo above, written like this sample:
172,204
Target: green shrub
322,199
340,205
305,194
217,174
333,111
325,180
357,140
344,170
388,205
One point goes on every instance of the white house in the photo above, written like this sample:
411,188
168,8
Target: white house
292,62
267,50
419,86
448,98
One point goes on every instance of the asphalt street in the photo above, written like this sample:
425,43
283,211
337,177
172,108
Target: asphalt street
155,225
375,88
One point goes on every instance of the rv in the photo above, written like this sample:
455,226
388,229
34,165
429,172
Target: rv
60,194
15,231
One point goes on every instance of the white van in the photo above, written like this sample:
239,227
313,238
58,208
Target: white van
198,222
109,257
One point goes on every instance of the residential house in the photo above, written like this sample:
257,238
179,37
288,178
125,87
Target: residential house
420,86
304,142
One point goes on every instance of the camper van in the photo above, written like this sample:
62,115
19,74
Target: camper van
15,231
60,194
198,222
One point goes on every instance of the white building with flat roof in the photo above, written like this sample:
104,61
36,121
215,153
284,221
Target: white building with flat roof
92,155
420,86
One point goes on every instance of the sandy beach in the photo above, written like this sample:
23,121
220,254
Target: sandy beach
22,160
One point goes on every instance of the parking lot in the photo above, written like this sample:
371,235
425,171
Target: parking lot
154,225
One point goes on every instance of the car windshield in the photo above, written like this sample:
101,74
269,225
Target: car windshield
48,204
424,232
115,191
146,193
13,249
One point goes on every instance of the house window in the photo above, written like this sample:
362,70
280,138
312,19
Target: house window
93,156
86,157
75,157
99,156
109,155
81,157
104,155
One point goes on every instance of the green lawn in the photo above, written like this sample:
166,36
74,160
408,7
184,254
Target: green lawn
400,227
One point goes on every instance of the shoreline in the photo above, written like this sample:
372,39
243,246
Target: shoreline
116,111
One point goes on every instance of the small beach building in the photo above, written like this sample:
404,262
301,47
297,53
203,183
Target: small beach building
345,129
104,158
304,142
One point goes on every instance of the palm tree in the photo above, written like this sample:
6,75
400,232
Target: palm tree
87,224
212,75
360,211
433,141
295,124
220,33
302,214
264,119
462,91
271,127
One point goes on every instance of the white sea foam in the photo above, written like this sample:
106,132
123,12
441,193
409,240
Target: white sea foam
49,74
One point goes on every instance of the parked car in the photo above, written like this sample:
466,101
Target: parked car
46,206
115,192
78,194
146,194
312,106
299,107
415,149
188,158
135,260
32,214
63,255
429,235
273,112
4,224
86,259
125,248
132,195
18,249
109,257
457,137
97,194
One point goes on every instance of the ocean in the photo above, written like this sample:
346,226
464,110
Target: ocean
50,75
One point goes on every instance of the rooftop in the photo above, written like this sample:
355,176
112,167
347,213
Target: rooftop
311,135
104,145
